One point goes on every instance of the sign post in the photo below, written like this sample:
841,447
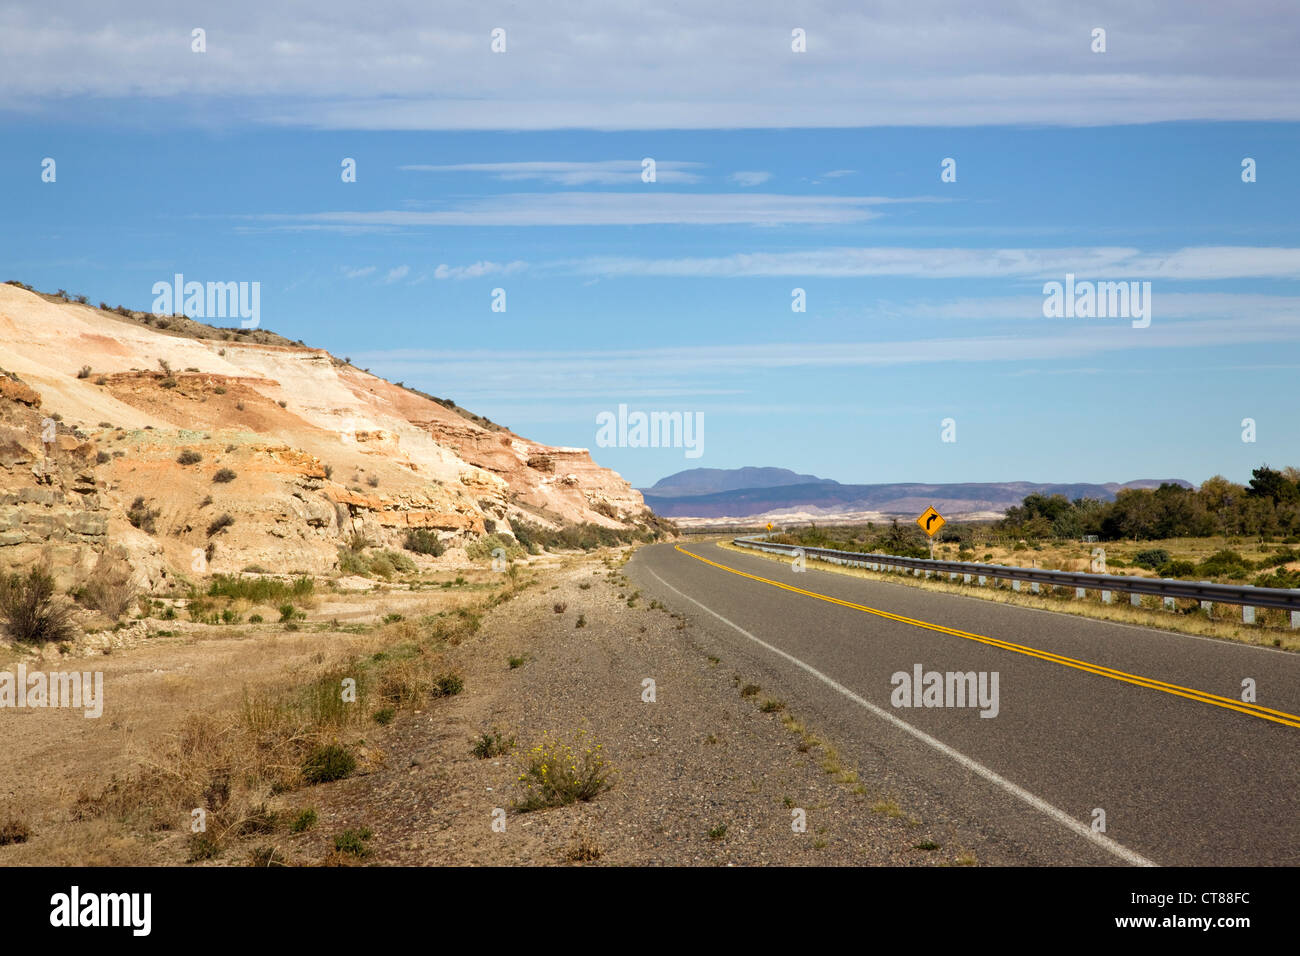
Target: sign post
931,521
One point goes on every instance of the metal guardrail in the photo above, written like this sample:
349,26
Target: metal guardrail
1248,596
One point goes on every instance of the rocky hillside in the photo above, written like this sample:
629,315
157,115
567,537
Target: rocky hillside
243,448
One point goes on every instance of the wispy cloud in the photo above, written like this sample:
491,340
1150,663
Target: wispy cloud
478,269
349,273
750,177
604,172
397,274
1097,262
650,206
487,374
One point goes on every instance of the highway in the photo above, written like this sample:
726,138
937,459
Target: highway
1146,726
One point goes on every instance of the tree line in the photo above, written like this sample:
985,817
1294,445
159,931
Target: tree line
1267,507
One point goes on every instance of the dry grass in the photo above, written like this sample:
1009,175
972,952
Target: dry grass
228,726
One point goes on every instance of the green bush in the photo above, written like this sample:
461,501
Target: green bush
1182,570
423,541
259,590
328,762
1152,558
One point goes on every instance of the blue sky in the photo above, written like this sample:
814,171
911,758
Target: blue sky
924,298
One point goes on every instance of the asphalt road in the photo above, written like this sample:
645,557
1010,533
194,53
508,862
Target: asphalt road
1182,780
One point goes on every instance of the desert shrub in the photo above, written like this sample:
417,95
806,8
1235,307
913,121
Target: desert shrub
373,481
109,587
448,685
492,744
482,548
30,612
423,541
189,457
223,476
102,457
329,471
259,590
13,830
353,842
556,773
1177,569
328,762
1152,558
225,521
303,822
83,372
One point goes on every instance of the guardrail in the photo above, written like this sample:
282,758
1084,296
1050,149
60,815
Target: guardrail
1208,593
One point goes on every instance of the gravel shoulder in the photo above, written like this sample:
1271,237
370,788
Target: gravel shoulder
700,758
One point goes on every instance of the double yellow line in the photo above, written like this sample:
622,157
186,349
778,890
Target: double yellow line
1204,697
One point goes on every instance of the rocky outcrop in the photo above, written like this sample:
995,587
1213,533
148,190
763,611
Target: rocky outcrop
222,454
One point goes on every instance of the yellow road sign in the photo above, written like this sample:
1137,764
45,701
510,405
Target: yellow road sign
769,526
931,521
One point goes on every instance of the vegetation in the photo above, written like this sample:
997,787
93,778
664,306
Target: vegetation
556,773
223,476
30,612
259,590
109,588
189,457
424,541
492,744
1269,506
142,516
327,763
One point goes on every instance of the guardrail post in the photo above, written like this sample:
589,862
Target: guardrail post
982,580
1105,597
1033,586
1135,599
1080,592
1169,604
1247,614
1015,585
1207,606
965,579
1295,618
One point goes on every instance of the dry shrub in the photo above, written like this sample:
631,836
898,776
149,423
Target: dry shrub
109,587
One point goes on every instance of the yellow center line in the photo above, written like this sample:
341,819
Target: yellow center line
1254,710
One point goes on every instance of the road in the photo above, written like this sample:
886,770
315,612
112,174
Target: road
1142,724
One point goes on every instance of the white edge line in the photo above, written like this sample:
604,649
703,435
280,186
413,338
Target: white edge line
1039,804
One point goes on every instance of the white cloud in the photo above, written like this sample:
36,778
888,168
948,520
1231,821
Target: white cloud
837,173
412,65
587,373
349,273
478,270
749,177
1098,263
604,172
609,209
395,275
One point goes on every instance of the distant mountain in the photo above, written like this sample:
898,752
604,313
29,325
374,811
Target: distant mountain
822,498
706,481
